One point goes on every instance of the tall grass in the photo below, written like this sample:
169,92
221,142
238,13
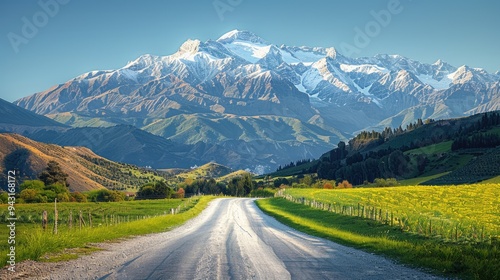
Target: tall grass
33,243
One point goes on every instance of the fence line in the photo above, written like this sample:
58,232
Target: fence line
88,220
422,225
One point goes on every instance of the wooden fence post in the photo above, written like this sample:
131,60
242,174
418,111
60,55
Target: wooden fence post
56,216
44,220
70,219
80,219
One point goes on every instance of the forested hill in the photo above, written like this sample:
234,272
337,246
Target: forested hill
453,151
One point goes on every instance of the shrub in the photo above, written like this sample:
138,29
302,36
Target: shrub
156,190
32,184
179,194
344,185
390,182
78,197
328,185
106,195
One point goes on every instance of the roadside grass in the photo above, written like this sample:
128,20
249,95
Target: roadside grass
34,243
468,261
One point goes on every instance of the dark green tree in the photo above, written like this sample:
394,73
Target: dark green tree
156,190
53,174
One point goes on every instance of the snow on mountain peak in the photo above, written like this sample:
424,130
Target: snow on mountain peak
229,34
438,62
443,66
142,61
331,52
237,35
190,47
323,73
463,75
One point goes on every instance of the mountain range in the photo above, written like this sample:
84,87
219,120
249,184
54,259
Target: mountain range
262,103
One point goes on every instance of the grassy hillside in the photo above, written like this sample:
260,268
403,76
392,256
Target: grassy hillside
232,175
465,149
218,128
86,170
207,171
481,167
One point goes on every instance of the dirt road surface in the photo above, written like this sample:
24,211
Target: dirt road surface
231,239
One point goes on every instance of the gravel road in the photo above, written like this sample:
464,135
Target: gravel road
231,239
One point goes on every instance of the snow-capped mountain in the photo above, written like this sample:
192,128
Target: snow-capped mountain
241,76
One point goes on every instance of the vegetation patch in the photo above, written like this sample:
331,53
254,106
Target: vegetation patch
462,214
69,254
475,261
34,243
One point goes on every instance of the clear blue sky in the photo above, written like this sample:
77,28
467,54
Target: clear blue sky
98,34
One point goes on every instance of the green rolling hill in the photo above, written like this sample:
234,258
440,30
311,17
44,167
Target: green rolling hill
454,151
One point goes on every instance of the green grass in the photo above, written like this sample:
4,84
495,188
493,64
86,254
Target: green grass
130,210
36,244
418,180
443,147
471,209
476,261
494,180
291,171
480,167
141,174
